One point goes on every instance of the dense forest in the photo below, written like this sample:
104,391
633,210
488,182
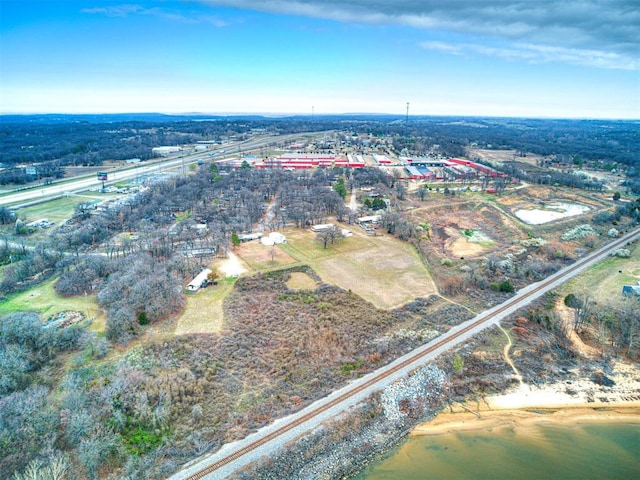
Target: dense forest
65,140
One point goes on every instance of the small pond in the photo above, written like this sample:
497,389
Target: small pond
550,212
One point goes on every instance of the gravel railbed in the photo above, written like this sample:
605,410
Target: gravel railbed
341,446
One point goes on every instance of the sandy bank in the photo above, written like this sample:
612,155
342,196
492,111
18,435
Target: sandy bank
489,420
564,403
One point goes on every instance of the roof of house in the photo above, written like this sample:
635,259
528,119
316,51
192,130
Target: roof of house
201,277
631,289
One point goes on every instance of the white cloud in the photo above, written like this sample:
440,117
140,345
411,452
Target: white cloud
533,53
115,10
171,15
442,47
588,32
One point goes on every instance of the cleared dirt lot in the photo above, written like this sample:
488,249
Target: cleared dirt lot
492,229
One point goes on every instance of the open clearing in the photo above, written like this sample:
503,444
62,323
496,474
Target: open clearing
232,266
301,281
603,282
44,300
382,270
261,257
487,228
203,312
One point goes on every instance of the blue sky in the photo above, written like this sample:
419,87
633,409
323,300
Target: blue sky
570,58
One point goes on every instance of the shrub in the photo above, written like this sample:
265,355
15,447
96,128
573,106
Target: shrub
505,286
138,440
622,253
348,367
142,318
578,232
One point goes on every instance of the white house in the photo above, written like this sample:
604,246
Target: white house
200,281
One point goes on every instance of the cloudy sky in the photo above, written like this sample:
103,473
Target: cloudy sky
543,58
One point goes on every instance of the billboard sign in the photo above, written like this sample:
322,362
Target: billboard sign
102,176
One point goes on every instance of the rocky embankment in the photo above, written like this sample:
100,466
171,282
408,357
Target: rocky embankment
340,447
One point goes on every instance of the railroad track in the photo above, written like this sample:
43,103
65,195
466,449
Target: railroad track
414,358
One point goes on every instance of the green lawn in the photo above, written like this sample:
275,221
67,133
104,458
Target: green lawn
60,209
44,300
203,312
603,282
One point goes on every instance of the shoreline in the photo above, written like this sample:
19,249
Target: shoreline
566,403
462,421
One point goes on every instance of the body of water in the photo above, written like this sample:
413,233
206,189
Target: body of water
551,212
596,451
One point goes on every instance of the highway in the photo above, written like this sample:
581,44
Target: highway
233,456
58,189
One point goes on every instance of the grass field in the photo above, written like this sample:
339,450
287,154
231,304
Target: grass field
603,282
382,270
203,311
55,210
44,300
60,209
301,281
259,257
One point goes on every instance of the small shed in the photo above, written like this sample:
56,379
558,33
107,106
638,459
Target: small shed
201,280
277,237
631,290
267,241
247,237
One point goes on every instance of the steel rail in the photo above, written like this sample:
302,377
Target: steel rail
448,338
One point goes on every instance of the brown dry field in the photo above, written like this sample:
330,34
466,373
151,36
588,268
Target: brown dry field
383,270
260,257
532,195
301,281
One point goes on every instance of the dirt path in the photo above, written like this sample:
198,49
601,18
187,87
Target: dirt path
233,266
507,358
353,204
566,317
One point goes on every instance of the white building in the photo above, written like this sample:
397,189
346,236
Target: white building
322,227
200,281
165,151
277,237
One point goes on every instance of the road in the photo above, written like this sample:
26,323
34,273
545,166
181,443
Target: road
58,189
233,456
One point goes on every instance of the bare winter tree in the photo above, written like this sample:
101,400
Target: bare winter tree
328,236
582,308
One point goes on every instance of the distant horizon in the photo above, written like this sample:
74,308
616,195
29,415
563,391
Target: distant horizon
310,115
